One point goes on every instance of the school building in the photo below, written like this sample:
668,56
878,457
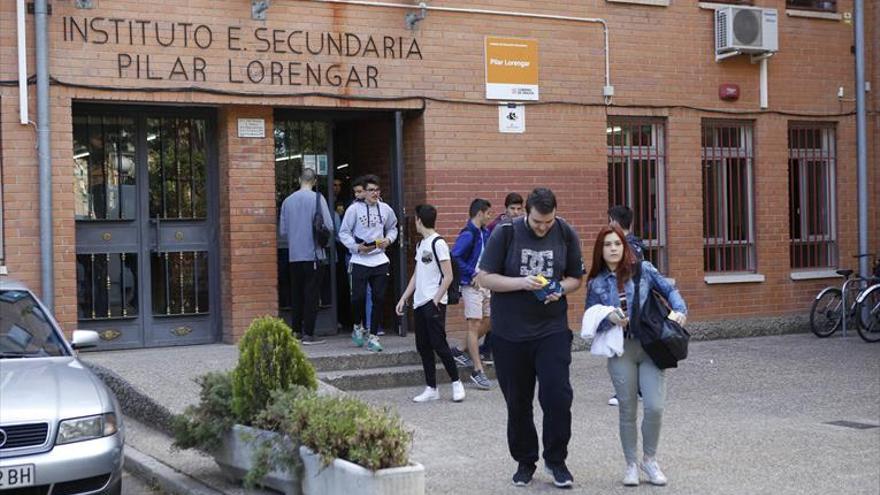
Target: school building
178,127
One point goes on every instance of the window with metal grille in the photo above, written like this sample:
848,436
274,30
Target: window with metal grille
820,5
636,170
812,204
728,197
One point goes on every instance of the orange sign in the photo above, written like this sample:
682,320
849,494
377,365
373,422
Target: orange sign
511,68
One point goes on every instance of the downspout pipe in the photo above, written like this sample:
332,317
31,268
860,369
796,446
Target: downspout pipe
861,135
47,272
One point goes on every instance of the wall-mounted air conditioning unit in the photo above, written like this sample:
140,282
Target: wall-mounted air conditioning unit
745,30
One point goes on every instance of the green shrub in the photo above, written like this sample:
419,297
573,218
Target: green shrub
202,426
269,359
349,429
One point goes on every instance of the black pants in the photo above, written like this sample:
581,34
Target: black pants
343,291
305,281
377,277
430,323
518,365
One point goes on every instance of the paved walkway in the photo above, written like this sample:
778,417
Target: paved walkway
744,416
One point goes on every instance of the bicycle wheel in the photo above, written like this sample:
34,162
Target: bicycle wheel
826,312
869,315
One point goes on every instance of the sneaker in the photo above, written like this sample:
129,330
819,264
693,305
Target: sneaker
655,475
381,332
613,401
357,335
373,344
462,360
631,475
481,380
523,475
457,391
428,395
561,476
311,340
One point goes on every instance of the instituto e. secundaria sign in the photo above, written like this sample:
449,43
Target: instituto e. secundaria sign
511,69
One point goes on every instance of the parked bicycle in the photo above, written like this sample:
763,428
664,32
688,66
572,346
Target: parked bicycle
868,309
833,307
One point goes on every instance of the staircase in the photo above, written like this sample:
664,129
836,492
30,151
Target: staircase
340,364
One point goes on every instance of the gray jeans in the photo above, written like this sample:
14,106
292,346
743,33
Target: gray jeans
630,373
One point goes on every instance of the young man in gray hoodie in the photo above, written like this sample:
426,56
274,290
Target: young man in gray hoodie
305,255
368,228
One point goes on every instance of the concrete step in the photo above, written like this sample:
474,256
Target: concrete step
360,358
391,377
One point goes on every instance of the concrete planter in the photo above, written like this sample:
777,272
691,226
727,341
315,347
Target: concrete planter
344,477
236,457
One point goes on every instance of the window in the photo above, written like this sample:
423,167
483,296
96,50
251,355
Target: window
728,197
636,164
820,5
811,180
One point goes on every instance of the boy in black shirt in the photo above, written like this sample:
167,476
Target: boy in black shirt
531,338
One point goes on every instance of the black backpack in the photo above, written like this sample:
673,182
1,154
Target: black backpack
664,340
320,232
453,294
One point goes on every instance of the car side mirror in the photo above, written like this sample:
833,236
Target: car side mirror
84,339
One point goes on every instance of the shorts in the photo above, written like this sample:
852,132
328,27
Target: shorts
476,302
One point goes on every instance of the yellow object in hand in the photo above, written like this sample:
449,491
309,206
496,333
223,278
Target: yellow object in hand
542,280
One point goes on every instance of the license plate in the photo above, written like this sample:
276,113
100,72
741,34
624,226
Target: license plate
17,476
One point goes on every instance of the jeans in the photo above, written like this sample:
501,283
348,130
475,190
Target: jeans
632,371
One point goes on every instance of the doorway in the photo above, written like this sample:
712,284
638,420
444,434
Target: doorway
339,146
145,187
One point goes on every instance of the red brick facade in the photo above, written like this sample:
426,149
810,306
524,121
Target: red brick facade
662,64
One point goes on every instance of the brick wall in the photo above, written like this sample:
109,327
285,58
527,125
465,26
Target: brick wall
662,65
247,222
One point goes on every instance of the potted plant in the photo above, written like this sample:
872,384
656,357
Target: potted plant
265,423
223,422
350,447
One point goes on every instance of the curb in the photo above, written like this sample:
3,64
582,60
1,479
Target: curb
166,478
135,403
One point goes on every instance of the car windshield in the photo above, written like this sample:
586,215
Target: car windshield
25,330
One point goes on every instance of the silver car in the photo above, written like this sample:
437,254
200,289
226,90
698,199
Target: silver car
61,429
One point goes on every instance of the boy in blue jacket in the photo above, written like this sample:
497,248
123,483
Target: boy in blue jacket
466,253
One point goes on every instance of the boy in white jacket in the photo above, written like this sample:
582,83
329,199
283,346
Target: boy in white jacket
368,228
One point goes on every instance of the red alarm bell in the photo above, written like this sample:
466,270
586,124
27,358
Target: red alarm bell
728,92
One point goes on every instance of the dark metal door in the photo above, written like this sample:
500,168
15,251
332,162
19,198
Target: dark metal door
305,143
146,234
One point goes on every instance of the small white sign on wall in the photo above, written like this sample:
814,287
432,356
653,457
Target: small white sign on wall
512,118
251,128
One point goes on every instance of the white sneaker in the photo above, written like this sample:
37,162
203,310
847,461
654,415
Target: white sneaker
613,401
457,391
631,475
428,395
655,475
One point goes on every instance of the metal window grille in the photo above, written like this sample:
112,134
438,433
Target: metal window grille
728,196
811,187
820,5
636,178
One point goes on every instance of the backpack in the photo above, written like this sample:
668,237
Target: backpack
664,340
453,294
320,232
